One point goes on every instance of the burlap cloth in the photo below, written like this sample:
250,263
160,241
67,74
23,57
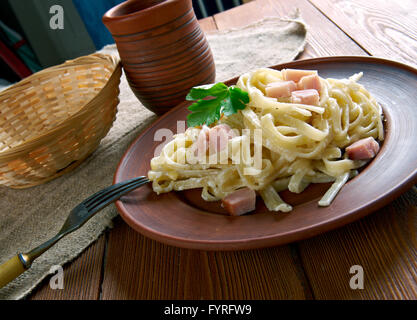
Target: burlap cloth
31,216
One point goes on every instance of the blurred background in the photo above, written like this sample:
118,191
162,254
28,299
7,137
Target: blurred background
28,43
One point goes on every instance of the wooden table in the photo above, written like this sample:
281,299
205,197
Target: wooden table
123,264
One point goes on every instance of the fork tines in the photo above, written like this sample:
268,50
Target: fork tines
102,198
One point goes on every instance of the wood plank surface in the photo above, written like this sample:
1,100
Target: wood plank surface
383,28
82,277
140,268
324,38
384,244
241,16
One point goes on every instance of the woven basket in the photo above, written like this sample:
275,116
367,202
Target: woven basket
52,120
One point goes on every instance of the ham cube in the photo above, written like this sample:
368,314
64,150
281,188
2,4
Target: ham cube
281,89
240,202
309,96
214,139
296,74
309,82
219,137
363,149
202,141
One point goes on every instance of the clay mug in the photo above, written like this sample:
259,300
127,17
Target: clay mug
163,51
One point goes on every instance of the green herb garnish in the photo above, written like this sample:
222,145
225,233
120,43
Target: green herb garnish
220,99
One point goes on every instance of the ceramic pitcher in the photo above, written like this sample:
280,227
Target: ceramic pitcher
163,50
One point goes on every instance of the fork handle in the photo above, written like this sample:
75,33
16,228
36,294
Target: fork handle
10,270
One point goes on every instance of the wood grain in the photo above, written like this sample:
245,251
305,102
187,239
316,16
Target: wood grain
82,277
140,268
242,15
382,28
384,244
324,38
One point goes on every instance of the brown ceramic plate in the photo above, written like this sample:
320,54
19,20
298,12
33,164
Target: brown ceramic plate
183,219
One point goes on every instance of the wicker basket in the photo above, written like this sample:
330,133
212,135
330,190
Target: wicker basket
52,120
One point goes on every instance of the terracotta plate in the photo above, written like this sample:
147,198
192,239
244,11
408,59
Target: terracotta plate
183,219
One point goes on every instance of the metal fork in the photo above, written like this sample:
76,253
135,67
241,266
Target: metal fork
77,217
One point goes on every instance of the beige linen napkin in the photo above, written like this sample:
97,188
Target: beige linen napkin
31,216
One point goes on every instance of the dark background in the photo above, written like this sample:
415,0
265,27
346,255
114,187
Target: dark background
83,31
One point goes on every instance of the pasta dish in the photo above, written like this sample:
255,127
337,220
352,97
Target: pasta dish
296,129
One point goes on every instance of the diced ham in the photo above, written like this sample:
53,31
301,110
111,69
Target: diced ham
219,136
363,149
309,82
202,141
296,74
280,89
240,202
213,139
309,96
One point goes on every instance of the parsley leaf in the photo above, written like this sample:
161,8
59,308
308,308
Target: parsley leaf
204,111
213,101
196,93
236,100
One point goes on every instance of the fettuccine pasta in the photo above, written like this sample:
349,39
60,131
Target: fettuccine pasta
275,143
